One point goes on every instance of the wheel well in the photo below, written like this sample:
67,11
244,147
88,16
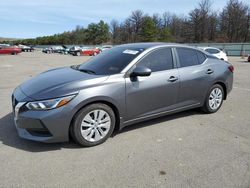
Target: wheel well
224,89
112,106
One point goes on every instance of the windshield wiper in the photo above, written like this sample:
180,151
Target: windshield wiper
87,71
76,67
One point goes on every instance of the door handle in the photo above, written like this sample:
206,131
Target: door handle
172,79
209,71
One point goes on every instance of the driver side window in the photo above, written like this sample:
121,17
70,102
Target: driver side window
158,60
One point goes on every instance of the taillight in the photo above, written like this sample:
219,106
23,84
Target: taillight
231,68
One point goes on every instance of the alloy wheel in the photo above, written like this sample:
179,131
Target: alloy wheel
215,98
95,125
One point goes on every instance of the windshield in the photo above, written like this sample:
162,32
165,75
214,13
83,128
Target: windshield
112,61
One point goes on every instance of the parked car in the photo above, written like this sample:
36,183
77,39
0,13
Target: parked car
26,48
63,50
53,49
86,51
107,47
74,50
216,52
4,45
248,58
121,86
10,50
47,50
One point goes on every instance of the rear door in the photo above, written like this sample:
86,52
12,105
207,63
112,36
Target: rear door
156,93
195,76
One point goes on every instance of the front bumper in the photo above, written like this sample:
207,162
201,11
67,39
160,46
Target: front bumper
44,126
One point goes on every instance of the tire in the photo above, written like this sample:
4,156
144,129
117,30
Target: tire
87,133
94,54
214,99
78,53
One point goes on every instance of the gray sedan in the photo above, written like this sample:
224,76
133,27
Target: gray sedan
121,86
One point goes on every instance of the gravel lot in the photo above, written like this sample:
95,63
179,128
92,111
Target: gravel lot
188,149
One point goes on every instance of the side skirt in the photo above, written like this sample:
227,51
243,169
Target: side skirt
160,114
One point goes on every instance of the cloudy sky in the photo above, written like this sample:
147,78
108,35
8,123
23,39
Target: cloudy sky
32,18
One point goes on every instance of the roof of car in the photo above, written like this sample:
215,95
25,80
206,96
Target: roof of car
146,44
207,47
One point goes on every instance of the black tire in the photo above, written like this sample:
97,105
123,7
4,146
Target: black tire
78,53
75,129
206,107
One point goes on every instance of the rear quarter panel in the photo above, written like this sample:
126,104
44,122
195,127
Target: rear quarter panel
221,73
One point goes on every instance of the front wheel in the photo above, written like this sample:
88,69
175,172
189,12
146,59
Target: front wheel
93,125
214,99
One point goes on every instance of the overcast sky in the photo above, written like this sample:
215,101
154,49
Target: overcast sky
33,18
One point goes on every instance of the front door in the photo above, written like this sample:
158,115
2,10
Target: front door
156,93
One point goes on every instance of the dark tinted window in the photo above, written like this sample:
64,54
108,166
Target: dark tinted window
158,60
201,57
111,61
187,57
212,51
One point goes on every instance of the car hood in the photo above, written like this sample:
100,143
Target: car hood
59,82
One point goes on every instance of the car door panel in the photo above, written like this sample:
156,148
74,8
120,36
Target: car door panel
194,82
150,95
195,76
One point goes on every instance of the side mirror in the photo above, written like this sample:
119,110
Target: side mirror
141,71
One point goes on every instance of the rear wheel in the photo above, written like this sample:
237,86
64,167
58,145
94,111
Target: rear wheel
78,53
93,124
214,99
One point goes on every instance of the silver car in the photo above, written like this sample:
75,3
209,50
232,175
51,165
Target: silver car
121,86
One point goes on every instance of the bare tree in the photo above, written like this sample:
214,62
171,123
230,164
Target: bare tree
136,20
199,18
166,19
114,28
212,26
235,21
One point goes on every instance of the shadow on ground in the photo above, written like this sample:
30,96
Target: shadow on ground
9,136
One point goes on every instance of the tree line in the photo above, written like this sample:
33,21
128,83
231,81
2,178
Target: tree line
202,24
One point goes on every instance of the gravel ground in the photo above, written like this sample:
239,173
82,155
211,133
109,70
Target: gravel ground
188,149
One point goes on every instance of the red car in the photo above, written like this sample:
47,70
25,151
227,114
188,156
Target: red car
10,50
87,51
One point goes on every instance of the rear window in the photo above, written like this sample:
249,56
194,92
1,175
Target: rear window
111,61
212,51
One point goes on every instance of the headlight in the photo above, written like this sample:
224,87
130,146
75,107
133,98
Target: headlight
49,104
